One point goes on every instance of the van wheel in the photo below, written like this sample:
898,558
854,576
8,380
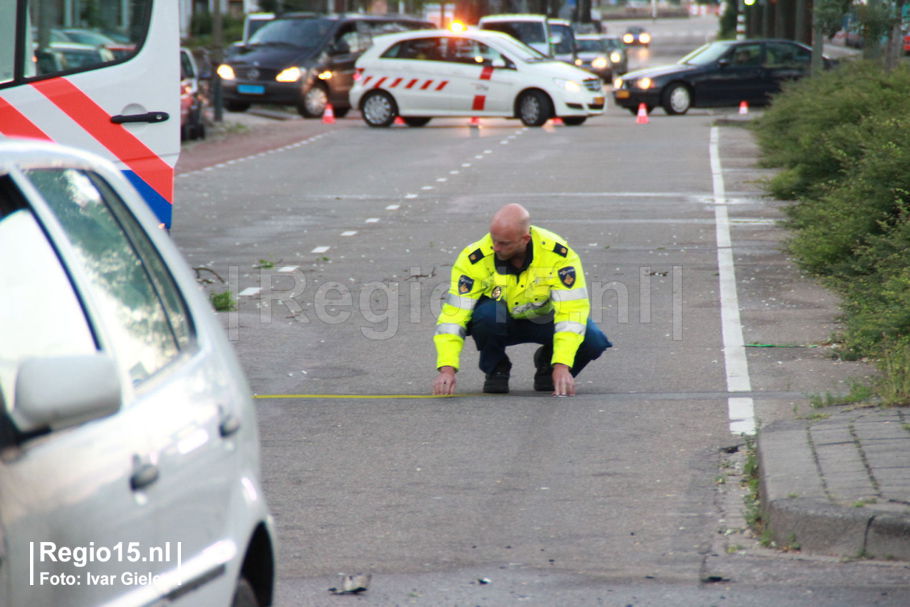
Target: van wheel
244,595
313,103
416,120
534,108
378,109
574,120
677,99
236,106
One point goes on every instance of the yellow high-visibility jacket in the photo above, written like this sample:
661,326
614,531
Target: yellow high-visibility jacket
553,283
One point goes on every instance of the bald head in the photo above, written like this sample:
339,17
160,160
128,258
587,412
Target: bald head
511,232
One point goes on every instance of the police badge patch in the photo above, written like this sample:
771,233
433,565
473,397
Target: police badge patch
567,276
497,291
465,284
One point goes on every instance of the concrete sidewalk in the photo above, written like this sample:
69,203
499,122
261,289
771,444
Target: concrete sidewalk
840,485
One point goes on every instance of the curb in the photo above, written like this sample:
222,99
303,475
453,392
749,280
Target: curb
797,510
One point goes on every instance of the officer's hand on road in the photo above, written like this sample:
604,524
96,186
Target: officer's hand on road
563,382
444,383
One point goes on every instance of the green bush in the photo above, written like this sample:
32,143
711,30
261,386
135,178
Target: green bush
842,142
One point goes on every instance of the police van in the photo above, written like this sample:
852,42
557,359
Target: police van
120,102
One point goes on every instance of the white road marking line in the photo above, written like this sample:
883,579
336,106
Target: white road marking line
741,410
427,187
479,157
249,291
465,164
372,220
455,172
320,250
349,233
409,196
393,207
287,268
441,179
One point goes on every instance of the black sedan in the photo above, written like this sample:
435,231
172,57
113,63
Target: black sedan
723,73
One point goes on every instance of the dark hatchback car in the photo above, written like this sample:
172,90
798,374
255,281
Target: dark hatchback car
304,60
723,73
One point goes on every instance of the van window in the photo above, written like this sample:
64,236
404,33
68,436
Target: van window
65,37
529,32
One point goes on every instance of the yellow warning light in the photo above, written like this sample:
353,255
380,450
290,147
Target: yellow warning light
457,26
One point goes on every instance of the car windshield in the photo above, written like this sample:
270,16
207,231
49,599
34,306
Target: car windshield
518,50
613,44
528,32
303,33
706,54
590,45
562,35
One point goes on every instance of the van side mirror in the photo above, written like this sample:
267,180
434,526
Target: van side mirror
62,391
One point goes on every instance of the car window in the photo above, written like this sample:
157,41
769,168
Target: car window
707,54
142,313
746,55
779,54
564,37
56,40
303,33
466,50
589,45
527,31
423,49
40,314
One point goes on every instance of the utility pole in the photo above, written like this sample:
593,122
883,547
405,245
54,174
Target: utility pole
217,57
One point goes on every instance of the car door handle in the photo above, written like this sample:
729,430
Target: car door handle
150,117
144,474
228,425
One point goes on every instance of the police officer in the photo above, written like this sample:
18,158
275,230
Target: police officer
518,284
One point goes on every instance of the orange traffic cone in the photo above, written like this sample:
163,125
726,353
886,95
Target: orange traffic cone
743,107
399,120
475,121
558,121
642,116
328,116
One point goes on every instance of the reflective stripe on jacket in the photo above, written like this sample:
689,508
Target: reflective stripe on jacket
553,284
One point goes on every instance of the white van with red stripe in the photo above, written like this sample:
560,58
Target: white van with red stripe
124,106
424,74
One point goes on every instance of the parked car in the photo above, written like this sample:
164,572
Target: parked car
303,60
129,451
636,36
192,98
74,56
720,73
532,30
95,38
619,56
562,41
595,55
419,75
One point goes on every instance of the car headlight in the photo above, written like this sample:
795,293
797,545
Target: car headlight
617,83
289,74
225,72
645,38
599,63
569,85
628,38
644,83
615,56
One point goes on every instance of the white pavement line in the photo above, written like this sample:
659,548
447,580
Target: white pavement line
320,250
287,268
349,233
393,207
249,291
372,220
441,179
427,187
741,410
409,196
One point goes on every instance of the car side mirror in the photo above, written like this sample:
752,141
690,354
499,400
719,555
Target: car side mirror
723,62
62,391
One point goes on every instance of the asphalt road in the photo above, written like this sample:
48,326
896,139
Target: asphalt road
339,249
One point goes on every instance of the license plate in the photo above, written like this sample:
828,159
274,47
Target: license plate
621,94
598,100
251,89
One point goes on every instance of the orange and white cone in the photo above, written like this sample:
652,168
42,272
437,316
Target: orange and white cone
743,107
399,120
475,121
558,121
328,115
642,116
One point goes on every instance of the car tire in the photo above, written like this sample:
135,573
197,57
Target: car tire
236,106
313,102
574,120
416,120
534,108
244,596
378,109
677,99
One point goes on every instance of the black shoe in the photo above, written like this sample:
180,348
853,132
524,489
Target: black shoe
497,382
543,377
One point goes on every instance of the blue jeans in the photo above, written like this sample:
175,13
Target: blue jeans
494,330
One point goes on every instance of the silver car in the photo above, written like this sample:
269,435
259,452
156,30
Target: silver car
129,452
